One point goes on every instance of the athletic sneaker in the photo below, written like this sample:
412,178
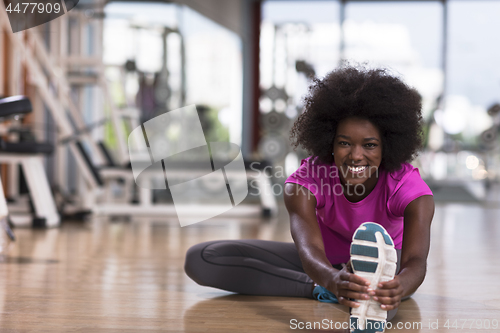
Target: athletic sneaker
324,295
374,258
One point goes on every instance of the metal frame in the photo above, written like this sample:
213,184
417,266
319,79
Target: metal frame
43,202
268,205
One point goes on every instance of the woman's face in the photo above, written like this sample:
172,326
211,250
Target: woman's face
357,149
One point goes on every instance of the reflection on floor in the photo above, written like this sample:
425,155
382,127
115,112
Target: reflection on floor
128,277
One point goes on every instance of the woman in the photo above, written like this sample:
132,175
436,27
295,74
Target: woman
361,127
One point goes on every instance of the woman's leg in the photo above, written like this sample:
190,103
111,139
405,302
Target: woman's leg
252,267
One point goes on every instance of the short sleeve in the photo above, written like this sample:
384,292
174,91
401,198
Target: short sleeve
408,189
310,176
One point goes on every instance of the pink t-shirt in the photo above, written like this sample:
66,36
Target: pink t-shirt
338,218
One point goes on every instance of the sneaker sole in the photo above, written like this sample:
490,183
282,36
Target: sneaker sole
374,258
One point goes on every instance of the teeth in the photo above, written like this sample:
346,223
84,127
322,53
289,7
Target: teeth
356,169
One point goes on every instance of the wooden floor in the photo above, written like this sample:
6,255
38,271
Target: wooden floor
127,276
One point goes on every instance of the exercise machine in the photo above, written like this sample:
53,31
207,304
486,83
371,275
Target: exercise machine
28,155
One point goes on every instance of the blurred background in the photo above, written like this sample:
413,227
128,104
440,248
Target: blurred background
79,95
106,67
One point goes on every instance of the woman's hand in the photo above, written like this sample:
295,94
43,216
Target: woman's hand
389,294
347,285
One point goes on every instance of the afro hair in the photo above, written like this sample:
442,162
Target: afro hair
373,94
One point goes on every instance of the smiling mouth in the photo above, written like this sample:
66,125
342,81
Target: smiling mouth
356,170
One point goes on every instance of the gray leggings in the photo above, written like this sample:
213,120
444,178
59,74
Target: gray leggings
252,267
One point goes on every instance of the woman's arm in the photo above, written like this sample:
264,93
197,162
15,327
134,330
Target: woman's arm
416,242
301,205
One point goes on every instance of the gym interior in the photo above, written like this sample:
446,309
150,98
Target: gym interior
96,95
